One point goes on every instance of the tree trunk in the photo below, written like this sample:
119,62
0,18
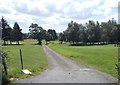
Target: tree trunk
46,43
10,42
18,42
4,42
73,42
7,42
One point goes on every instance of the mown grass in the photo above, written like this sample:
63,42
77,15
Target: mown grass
34,58
102,57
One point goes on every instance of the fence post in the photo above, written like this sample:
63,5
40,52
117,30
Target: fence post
21,59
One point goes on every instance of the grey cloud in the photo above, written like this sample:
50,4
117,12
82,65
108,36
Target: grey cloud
114,10
5,10
101,2
79,14
72,12
64,22
20,7
23,8
51,7
39,20
40,17
38,12
82,14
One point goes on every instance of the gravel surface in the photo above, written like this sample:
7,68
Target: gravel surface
64,70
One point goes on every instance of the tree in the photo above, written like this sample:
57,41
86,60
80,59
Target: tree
37,32
6,29
62,37
108,31
114,35
93,32
48,37
117,34
41,35
97,32
83,37
53,34
16,34
34,30
72,32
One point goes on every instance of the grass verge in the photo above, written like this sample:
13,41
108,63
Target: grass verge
34,59
102,57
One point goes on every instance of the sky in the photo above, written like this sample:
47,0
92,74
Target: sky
56,14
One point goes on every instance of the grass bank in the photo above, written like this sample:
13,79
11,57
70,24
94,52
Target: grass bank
34,58
102,57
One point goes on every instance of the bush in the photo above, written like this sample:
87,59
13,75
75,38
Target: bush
5,78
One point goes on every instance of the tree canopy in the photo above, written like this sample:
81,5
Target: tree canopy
16,34
9,34
37,32
92,32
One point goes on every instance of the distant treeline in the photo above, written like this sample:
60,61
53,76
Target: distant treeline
92,33
35,32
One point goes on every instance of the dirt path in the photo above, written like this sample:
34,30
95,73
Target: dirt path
64,70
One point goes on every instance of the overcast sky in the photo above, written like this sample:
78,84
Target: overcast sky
56,14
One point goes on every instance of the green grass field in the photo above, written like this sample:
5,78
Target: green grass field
34,58
102,58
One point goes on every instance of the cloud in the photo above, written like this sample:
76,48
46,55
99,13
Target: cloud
20,6
4,10
56,14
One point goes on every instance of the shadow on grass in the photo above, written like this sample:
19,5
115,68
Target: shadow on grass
12,44
36,44
88,44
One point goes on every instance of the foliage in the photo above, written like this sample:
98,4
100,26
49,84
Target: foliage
53,34
34,30
16,34
6,29
92,32
5,79
48,37
9,34
72,32
62,37
37,32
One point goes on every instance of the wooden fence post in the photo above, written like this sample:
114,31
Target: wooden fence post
21,59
